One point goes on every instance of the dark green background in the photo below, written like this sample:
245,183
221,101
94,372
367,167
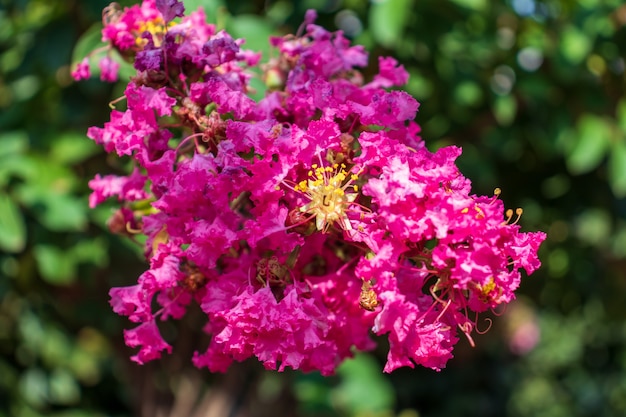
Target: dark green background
551,136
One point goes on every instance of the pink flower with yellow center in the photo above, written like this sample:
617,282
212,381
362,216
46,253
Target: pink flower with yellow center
293,263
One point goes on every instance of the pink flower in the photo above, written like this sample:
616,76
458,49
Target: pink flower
302,222
149,340
108,69
123,27
390,74
133,302
170,9
82,70
127,188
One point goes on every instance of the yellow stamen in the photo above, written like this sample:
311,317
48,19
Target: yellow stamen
330,195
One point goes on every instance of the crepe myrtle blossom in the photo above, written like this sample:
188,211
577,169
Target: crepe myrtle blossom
303,223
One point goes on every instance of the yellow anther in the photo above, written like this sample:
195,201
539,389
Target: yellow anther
326,189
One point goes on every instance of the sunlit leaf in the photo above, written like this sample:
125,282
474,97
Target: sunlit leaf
575,44
592,141
254,29
210,7
468,93
363,388
388,19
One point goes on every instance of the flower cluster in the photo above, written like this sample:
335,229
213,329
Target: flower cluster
300,223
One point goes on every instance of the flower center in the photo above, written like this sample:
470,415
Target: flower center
155,27
330,192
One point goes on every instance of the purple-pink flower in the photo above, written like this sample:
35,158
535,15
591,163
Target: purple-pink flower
303,223
81,72
108,69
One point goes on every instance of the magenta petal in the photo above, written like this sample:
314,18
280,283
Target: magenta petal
170,9
149,340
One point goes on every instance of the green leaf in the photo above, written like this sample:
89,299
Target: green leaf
254,29
505,109
47,191
575,44
40,170
63,387
88,42
25,87
362,375
468,93
57,211
13,143
55,266
55,351
12,226
72,147
593,136
33,387
388,19
92,251
617,168
593,226
211,8
12,146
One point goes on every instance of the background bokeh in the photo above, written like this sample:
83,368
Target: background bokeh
532,90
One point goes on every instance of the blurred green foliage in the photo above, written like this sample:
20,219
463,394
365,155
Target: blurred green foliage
532,90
